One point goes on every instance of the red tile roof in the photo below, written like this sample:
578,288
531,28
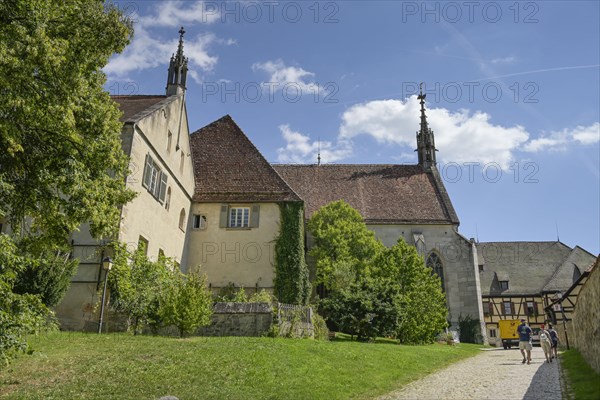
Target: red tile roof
134,107
229,168
384,194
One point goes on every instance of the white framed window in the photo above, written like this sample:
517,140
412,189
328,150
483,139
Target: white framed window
199,222
239,217
493,333
155,180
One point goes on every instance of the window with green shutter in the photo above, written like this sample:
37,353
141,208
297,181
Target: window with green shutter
239,216
155,180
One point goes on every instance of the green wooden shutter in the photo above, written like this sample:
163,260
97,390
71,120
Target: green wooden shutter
255,216
223,216
163,187
147,171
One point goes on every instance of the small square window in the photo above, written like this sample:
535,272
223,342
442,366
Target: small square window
503,285
480,267
199,222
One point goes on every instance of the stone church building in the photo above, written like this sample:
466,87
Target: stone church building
210,200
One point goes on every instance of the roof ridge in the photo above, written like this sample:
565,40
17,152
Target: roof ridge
525,241
342,165
138,95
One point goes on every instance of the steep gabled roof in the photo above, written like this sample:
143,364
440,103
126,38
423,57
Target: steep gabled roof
382,193
229,168
137,107
528,266
578,261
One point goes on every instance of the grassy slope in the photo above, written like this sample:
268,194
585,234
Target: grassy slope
583,381
75,365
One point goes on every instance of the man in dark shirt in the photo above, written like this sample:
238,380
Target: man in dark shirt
525,333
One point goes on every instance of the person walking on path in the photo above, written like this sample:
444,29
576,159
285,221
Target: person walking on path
554,338
525,345
545,343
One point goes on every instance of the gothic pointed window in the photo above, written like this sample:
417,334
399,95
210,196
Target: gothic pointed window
435,263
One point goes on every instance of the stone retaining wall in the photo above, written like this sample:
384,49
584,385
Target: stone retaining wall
584,330
239,319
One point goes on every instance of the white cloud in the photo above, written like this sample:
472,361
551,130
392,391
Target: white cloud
176,13
301,149
282,75
587,134
559,140
460,136
149,51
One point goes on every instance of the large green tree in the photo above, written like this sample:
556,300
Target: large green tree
60,151
374,290
61,162
420,300
343,246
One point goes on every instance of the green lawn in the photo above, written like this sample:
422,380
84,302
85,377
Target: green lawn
583,381
90,366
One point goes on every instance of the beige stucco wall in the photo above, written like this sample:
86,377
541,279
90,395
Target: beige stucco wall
459,260
585,327
145,216
241,256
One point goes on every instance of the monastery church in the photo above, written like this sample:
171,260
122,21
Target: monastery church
210,200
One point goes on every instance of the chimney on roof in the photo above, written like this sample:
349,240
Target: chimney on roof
178,68
425,139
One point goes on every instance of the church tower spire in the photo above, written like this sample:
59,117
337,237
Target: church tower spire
178,68
425,139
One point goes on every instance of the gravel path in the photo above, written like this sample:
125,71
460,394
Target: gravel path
493,374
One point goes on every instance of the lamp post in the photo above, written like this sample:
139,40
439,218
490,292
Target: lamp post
106,265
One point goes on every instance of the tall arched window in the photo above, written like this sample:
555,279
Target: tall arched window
182,220
435,263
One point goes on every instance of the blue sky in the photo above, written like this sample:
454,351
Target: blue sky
513,94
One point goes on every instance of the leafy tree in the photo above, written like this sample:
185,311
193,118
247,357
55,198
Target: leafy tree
186,303
372,290
48,276
20,315
292,283
343,246
421,301
62,162
137,284
366,309
60,151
